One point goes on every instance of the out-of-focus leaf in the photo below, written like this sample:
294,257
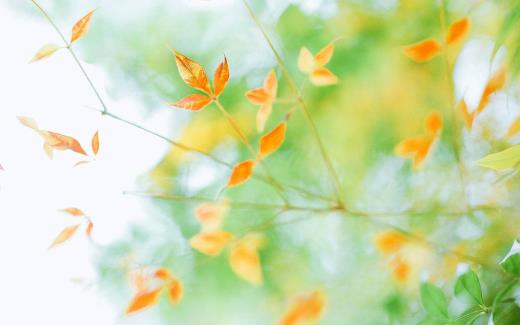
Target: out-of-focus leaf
211,215
73,212
241,173
457,31
193,102
264,97
511,262
81,27
90,227
210,243
175,290
422,51
494,84
313,66
505,159
143,300
434,301
95,143
390,241
221,77
45,52
468,288
304,309
511,20
64,235
273,140
244,259
467,117
192,73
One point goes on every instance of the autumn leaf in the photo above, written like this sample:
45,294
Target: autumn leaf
495,83
73,212
210,243
244,259
221,77
457,30
143,300
418,148
163,274
64,235
211,215
45,52
90,227
175,290
514,129
81,27
95,143
466,115
390,241
270,142
192,73
305,309
265,97
193,102
422,51
241,173
400,269
313,66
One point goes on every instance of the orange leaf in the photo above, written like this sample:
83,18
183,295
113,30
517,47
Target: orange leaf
324,55
264,97
163,274
306,308
192,73
95,143
210,243
495,83
45,52
323,77
270,142
244,259
89,229
422,51
221,77
306,61
433,123
390,241
211,215
74,212
514,129
241,173
457,30
63,142
257,96
466,115
262,116
401,269
64,235
193,102
175,291
81,27
271,85
143,300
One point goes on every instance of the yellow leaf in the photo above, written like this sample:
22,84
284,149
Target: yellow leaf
270,142
505,159
74,212
390,241
193,102
81,27
45,52
143,300
324,55
64,235
514,129
262,116
241,173
95,143
401,269
306,61
422,51
221,77
305,309
313,66
322,77
244,259
457,30
210,243
466,115
211,215
264,97
192,73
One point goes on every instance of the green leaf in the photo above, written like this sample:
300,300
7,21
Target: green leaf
512,264
468,288
434,301
506,159
511,20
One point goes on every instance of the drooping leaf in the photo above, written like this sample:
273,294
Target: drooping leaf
457,30
45,52
505,159
64,235
193,102
221,77
273,140
305,309
95,143
81,27
210,243
244,259
73,212
468,288
423,50
434,301
192,73
143,300
241,173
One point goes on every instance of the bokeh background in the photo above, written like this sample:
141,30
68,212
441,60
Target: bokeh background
381,98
